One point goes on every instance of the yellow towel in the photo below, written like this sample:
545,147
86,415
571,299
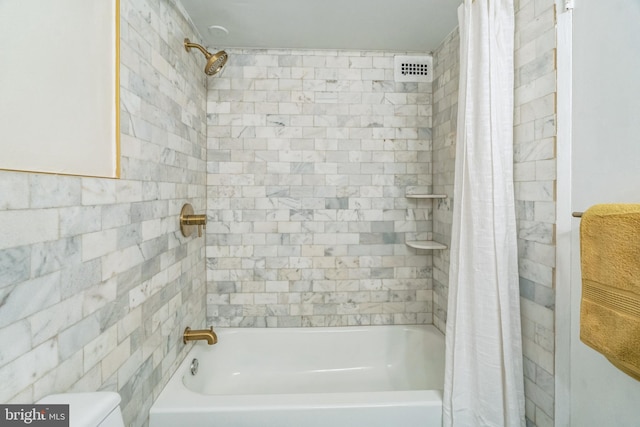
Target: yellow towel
610,309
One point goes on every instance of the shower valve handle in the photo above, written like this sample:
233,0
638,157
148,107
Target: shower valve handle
188,220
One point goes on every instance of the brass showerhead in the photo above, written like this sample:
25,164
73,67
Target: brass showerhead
215,62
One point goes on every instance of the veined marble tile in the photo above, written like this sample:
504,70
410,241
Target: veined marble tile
54,191
78,335
14,190
97,191
19,335
100,347
28,297
61,378
26,227
15,265
24,370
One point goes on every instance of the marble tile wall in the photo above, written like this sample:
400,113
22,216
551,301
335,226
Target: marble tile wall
446,61
96,283
310,154
535,175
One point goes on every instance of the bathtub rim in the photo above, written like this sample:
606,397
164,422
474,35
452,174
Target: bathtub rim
190,401
176,397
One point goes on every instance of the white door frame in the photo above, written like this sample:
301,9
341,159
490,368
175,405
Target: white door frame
563,214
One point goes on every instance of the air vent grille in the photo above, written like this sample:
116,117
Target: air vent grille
413,68
409,69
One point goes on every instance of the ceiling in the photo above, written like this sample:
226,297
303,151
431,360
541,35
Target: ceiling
385,25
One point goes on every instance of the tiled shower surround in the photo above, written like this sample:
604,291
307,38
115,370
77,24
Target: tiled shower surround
535,176
310,155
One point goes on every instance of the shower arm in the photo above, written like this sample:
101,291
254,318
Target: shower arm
188,45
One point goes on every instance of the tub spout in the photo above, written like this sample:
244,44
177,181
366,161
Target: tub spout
200,334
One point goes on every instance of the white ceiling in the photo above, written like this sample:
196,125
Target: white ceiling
386,25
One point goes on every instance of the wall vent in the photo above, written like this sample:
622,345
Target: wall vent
413,68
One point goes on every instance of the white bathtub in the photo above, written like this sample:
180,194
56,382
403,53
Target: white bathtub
311,377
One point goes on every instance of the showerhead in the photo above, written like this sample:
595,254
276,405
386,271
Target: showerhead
215,62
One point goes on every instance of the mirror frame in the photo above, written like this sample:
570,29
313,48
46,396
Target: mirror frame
60,109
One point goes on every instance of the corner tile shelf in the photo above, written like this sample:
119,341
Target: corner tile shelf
426,244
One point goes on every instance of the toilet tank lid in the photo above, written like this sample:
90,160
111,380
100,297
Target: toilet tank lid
85,409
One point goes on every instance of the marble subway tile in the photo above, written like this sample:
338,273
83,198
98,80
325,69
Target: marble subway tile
97,191
26,227
46,324
54,191
332,169
14,190
53,256
120,261
19,336
23,371
60,378
77,220
28,297
97,349
15,265
77,336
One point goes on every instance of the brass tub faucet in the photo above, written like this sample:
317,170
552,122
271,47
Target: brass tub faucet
200,334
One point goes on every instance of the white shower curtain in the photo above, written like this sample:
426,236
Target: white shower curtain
483,375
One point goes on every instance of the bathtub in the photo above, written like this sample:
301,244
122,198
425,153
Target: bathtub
310,377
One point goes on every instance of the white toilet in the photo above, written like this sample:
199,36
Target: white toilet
96,409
